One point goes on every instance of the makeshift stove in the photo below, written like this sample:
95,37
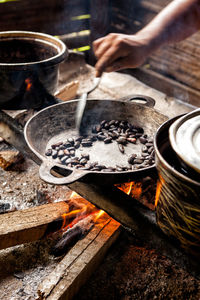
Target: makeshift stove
35,269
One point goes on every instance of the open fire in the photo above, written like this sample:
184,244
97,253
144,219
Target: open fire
81,216
78,220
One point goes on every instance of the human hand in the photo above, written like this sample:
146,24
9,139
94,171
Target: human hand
119,51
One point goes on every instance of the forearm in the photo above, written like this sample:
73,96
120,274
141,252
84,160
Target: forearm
177,21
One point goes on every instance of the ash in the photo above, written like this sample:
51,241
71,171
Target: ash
21,188
23,267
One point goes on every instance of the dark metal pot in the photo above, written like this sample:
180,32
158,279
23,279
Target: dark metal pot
24,55
178,194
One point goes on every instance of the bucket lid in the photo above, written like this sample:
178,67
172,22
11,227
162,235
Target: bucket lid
184,136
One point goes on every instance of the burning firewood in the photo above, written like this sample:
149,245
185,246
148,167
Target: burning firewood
84,216
68,240
75,233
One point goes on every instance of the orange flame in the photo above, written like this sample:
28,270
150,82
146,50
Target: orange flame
132,188
81,210
28,84
158,189
99,215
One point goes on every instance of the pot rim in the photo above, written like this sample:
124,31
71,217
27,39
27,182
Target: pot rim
44,38
161,158
182,139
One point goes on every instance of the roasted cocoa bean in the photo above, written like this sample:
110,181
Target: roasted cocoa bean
112,122
108,140
63,159
144,154
96,168
83,161
77,144
131,140
142,140
101,137
98,128
67,145
94,138
71,149
109,170
118,169
78,166
61,153
87,140
150,150
138,161
132,136
86,144
93,164
131,159
66,152
54,146
86,156
102,123
121,148
72,152
137,135
122,140
139,129
86,167
149,145
71,141
54,154
48,152
75,162
150,140
106,125
68,161
144,148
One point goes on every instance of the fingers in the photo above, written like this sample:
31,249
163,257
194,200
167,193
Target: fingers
119,64
117,51
97,43
106,59
106,51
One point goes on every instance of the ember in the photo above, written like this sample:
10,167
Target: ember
28,84
77,222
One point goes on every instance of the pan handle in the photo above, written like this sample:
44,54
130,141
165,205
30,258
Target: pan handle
46,175
139,99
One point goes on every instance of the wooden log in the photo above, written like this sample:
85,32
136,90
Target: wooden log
79,263
68,92
30,224
9,157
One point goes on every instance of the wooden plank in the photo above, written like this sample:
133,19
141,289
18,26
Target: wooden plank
9,157
180,62
30,224
173,69
80,262
55,19
170,87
